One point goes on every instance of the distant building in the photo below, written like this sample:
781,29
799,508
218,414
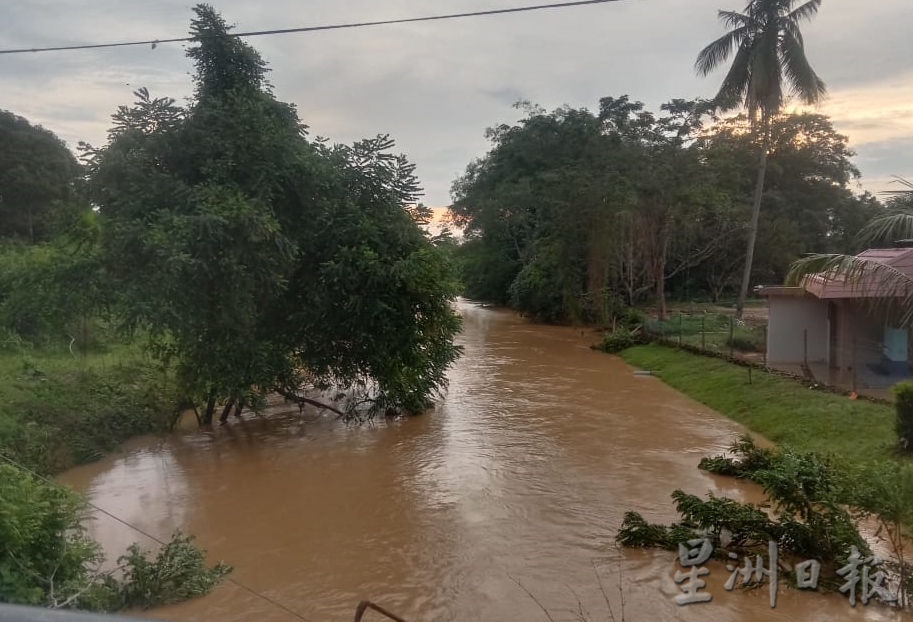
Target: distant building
826,326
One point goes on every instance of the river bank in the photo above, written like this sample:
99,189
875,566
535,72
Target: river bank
59,409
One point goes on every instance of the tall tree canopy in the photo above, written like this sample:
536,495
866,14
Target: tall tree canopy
38,175
260,259
769,54
574,215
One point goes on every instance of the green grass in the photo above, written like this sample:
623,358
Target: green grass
58,410
782,410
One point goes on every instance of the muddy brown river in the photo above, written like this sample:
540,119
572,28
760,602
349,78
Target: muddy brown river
516,482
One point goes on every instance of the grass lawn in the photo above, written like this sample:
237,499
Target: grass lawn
783,410
58,410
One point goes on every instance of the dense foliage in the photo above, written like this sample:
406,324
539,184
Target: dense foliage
809,520
812,511
260,260
574,215
38,180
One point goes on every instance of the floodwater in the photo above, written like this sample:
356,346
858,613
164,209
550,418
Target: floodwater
510,492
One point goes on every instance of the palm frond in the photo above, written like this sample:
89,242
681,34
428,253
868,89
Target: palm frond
903,182
884,290
734,20
717,52
735,84
802,79
896,224
805,12
765,87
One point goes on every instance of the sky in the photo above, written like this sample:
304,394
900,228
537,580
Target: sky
436,86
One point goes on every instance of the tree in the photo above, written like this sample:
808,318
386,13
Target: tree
257,258
38,175
808,205
769,52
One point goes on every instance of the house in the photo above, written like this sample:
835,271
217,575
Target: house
825,328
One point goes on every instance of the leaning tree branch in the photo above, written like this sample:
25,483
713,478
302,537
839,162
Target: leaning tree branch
301,401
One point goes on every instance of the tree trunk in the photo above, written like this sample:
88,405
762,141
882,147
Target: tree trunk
631,264
210,408
227,410
660,292
755,216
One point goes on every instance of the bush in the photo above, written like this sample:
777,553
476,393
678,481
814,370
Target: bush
178,573
619,340
903,391
48,560
743,344
810,520
632,318
46,557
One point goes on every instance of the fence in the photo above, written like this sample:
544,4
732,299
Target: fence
713,333
853,364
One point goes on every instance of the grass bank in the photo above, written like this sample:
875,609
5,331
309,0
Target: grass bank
58,409
783,410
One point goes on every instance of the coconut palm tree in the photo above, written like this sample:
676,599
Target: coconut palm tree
768,65
894,302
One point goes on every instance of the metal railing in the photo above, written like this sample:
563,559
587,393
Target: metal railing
714,333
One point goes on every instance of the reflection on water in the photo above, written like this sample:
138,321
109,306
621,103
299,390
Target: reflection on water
520,477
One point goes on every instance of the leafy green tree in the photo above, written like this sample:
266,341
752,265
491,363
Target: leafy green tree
808,206
38,177
256,257
574,215
768,54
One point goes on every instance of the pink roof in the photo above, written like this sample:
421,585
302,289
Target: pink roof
901,259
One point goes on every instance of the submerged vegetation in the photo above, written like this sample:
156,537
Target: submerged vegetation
47,558
812,511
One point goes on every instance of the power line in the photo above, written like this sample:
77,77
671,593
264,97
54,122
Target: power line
25,469
257,33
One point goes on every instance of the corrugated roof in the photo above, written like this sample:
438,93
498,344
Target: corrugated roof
900,259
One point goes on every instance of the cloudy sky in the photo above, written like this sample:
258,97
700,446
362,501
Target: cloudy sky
436,86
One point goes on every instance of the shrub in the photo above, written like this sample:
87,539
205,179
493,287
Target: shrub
179,572
48,560
743,343
46,557
621,339
632,318
903,391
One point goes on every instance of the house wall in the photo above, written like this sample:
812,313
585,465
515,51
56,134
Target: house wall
789,318
861,337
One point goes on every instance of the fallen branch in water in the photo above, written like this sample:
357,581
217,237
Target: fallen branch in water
301,401
367,604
